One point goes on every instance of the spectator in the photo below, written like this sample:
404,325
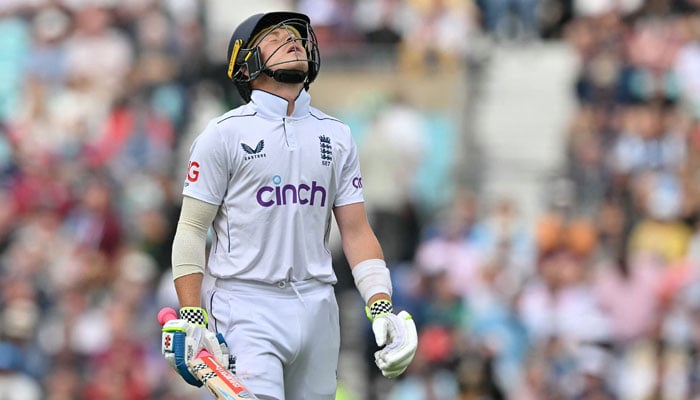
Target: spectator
660,233
98,55
14,48
628,292
15,385
448,248
382,22
511,19
443,32
391,156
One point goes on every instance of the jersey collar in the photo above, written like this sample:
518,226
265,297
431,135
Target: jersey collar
270,105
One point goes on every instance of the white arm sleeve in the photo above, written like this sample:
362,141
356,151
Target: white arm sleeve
372,277
189,244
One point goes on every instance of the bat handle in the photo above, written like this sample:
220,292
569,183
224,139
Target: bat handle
166,314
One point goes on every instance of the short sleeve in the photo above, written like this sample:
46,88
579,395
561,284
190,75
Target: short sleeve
207,170
350,179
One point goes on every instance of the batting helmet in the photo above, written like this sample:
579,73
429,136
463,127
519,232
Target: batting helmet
244,52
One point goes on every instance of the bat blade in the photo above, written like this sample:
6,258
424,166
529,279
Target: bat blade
220,382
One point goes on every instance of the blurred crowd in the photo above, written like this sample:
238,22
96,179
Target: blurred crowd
599,298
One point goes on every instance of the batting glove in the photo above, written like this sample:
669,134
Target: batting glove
184,338
396,334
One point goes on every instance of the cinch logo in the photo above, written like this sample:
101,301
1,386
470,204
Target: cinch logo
357,183
281,195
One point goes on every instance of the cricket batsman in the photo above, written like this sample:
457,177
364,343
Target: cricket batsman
267,178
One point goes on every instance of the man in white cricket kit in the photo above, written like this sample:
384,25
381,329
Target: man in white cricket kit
266,177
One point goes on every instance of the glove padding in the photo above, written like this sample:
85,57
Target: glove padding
397,333
182,341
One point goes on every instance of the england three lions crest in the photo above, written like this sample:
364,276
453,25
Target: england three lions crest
326,150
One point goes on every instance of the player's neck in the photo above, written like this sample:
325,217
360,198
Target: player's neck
290,93
287,91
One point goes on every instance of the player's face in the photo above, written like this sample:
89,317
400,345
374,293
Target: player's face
282,49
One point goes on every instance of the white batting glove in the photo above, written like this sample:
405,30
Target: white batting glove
396,334
184,338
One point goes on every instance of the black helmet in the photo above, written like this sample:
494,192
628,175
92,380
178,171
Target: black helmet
240,52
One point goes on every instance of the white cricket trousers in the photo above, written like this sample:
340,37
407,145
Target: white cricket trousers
285,336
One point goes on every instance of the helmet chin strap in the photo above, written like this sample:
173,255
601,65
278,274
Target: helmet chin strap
286,75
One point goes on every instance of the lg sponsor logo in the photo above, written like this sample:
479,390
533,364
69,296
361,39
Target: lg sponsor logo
193,171
282,195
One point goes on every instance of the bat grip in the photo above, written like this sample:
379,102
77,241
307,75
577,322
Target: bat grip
168,314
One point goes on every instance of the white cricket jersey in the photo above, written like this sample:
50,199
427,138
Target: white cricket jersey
276,179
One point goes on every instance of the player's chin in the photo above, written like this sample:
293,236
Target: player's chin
295,64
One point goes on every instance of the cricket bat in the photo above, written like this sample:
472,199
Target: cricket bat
221,382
